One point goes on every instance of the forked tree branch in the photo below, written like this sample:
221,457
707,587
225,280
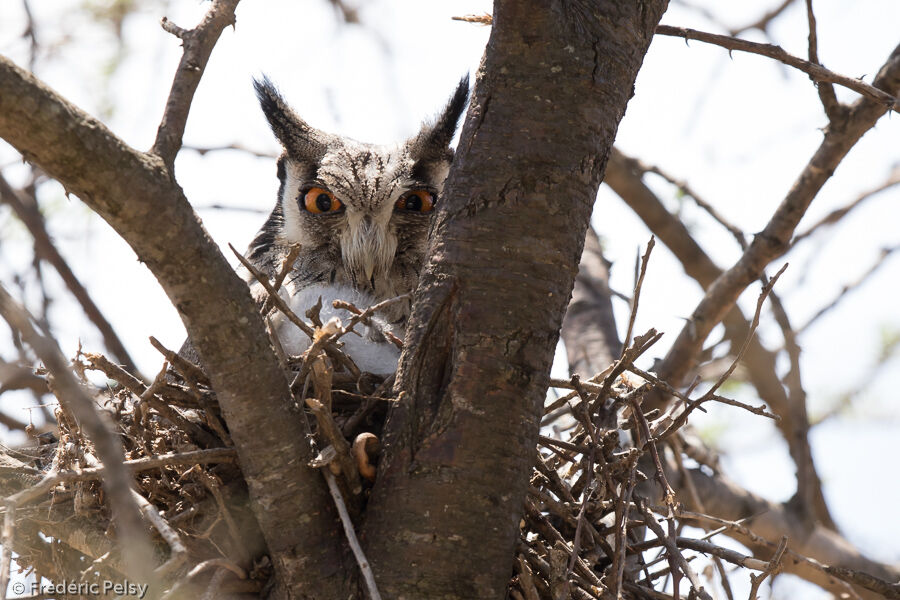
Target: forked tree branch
774,239
624,176
137,195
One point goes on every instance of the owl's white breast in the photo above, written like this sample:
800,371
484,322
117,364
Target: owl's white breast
375,357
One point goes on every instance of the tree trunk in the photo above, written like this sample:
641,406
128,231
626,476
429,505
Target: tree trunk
460,443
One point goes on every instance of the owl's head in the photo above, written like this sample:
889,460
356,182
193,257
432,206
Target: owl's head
360,211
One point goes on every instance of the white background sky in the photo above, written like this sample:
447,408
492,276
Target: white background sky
738,129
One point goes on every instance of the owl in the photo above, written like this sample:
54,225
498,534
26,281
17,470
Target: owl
360,212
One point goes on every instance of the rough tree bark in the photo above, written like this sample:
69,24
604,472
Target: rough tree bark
459,445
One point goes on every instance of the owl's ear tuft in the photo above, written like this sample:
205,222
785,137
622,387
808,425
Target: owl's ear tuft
301,141
432,143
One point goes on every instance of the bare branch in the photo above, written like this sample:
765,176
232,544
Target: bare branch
846,289
834,109
44,245
364,566
773,240
836,215
118,484
767,522
816,72
636,294
763,22
687,190
198,45
138,197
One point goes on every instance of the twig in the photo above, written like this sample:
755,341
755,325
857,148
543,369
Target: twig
118,483
483,19
332,433
364,317
202,151
185,368
177,548
43,243
816,72
753,325
770,569
833,109
286,265
846,289
688,191
672,550
636,295
728,554
364,566
198,44
632,398
274,296
836,215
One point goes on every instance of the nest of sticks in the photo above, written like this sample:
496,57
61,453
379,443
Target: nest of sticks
600,518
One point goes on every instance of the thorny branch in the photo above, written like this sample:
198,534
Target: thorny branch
815,71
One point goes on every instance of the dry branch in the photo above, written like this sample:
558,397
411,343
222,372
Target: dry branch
198,44
73,397
774,239
815,71
44,245
138,196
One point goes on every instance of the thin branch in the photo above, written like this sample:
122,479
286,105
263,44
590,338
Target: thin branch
364,566
203,151
44,245
763,22
688,191
767,288
836,215
816,72
118,484
731,556
198,45
846,289
636,295
834,109
672,552
773,240
178,551
771,569
274,296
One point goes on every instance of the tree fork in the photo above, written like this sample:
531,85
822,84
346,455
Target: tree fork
137,195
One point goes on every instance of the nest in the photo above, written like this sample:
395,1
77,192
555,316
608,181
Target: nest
600,519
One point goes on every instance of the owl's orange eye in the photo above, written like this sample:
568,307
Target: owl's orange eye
319,200
416,201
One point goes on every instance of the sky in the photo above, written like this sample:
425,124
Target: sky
738,128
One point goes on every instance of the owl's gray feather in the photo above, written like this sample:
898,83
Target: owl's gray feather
369,245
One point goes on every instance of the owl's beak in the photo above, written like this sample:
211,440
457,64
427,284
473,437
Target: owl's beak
368,249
